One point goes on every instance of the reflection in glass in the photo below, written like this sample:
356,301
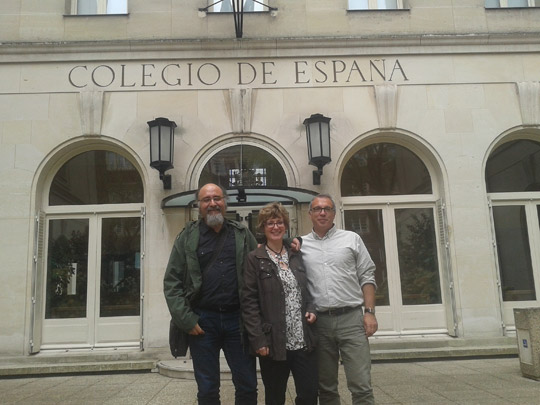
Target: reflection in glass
120,267
517,281
96,177
369,225
243,165
67,264
385,169
514,167
417,250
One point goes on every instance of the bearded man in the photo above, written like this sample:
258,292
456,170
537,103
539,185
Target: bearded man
201,287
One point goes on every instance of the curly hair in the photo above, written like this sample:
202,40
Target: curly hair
272,210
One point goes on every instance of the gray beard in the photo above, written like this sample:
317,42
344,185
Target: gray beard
213,220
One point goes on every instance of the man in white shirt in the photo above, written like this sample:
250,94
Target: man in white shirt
341,279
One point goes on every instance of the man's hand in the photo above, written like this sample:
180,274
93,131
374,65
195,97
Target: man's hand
196,330
370,324
310,317
296,245
263,351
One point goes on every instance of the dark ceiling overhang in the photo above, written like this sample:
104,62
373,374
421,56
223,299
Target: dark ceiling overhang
243,196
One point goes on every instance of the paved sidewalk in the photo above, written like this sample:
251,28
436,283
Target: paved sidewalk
481,381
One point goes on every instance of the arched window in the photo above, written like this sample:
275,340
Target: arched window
514,167
243,165
513,181
96,177
385,169
92,278
388,200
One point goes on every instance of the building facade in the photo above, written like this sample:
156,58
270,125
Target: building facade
434,119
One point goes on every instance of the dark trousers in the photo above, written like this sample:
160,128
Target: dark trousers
222,331
275,375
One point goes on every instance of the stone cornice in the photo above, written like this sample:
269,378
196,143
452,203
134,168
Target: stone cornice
20,52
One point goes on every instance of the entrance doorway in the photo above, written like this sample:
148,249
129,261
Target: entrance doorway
88,277
93,278
389,200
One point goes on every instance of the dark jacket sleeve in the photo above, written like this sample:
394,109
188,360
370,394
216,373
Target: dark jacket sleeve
175,286
251,310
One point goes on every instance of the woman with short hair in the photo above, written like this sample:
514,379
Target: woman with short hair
278,312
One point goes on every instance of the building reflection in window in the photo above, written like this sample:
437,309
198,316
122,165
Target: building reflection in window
243,165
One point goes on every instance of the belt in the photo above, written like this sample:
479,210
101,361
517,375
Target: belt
337,311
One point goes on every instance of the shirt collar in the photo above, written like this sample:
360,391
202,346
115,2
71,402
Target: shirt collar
328,234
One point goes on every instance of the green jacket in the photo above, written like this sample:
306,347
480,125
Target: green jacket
183,277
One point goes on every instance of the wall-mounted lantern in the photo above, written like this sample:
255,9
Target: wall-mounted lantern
162,148
318,142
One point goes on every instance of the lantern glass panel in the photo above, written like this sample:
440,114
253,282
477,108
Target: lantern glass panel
165,135
154,144
315,139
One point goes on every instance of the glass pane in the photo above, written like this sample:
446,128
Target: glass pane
517,281
385,169
120,267
358,4
86,6
518,3
67,269
387,4
417,250
243,165
492,4
513,167
369,225
96,177
116,6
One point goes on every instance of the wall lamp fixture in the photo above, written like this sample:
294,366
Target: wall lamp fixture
162,148
318,143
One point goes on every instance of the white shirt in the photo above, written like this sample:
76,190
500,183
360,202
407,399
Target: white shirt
337,266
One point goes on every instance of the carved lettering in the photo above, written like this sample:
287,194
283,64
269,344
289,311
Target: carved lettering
263,73
70,77
319,69
211,67
164,78
397,66
299,72
123,75
95,73
267,73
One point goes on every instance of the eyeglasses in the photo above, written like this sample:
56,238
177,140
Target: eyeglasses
207,200
270,225
318,210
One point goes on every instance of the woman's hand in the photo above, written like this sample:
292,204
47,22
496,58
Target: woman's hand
310,317
263,351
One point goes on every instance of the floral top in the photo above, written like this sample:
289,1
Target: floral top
293,300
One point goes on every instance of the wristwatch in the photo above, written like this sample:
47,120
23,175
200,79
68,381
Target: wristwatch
369,310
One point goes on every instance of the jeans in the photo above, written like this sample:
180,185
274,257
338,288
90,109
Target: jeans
275,374
222,331
343,335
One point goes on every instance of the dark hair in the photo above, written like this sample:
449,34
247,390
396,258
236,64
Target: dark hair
269,211
328,196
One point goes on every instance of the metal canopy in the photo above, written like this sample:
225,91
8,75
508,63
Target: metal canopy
243,196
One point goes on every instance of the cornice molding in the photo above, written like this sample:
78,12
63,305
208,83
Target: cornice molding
269,47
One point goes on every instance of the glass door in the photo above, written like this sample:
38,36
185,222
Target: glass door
93,279
517,235
403,244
